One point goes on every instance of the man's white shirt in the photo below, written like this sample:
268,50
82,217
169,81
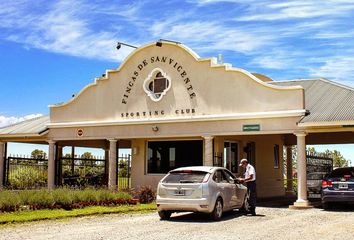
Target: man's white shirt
249,171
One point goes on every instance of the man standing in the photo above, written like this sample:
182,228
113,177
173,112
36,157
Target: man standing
250,180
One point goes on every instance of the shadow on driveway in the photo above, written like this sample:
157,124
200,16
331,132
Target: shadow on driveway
340,207
205,218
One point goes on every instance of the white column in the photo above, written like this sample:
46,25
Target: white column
2,162
112,168
289,171
51,164
208,150
106,165
301,171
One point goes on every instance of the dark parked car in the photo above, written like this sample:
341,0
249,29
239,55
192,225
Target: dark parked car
338,187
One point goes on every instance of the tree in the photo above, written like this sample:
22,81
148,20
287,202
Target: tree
87,155
338,159
38,154
67,155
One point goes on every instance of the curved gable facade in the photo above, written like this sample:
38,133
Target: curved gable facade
172,83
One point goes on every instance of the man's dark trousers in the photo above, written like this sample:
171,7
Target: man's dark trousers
251,189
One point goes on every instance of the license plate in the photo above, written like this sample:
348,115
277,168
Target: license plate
314,195
343,185
180,192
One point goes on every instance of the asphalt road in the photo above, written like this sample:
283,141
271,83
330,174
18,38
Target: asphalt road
270,223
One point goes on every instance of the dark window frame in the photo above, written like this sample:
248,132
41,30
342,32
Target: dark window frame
184,155
276,150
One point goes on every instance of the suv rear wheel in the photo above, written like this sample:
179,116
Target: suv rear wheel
218,209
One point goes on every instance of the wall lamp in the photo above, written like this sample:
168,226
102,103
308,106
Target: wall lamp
159,42
119,45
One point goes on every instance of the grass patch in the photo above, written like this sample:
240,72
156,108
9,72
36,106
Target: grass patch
28,216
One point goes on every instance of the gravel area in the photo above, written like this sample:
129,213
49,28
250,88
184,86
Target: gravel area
270,223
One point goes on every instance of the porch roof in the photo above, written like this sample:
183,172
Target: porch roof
329,103
31,127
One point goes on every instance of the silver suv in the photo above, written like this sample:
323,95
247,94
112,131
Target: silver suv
211,190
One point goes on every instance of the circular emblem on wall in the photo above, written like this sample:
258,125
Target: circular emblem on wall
157,84
80,132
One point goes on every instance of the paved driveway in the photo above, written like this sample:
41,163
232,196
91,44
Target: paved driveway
271,223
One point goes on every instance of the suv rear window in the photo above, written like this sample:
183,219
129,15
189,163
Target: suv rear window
185,177
341,172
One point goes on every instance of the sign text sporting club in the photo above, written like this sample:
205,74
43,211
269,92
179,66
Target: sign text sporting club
159,59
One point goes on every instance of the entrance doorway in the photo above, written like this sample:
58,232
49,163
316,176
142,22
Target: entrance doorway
163,156
230,156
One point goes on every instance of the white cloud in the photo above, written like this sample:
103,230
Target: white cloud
339,68
65,28
290,35
297,10
208,36
271,62
5,121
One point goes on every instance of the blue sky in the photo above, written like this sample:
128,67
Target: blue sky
50,50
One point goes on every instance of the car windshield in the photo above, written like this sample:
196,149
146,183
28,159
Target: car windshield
341,172
185,177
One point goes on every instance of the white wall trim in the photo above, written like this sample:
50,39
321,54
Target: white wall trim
214,117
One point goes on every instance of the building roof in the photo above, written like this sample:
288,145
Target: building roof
326,101
35,126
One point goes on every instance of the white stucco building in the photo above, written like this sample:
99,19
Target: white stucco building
173,108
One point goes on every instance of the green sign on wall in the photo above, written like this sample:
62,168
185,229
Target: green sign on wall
251,127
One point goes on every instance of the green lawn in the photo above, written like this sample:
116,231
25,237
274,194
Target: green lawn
26,216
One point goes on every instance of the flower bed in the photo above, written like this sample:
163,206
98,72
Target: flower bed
64,198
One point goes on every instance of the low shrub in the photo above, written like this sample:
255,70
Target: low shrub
145,194
87,195
40,199
9,201
61,198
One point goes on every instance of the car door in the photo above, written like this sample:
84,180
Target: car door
224,188
240,190
235,195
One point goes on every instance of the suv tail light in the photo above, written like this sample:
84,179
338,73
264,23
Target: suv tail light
326,184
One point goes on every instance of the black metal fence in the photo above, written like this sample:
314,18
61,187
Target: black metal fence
81,172
124,172
84,172
26,173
